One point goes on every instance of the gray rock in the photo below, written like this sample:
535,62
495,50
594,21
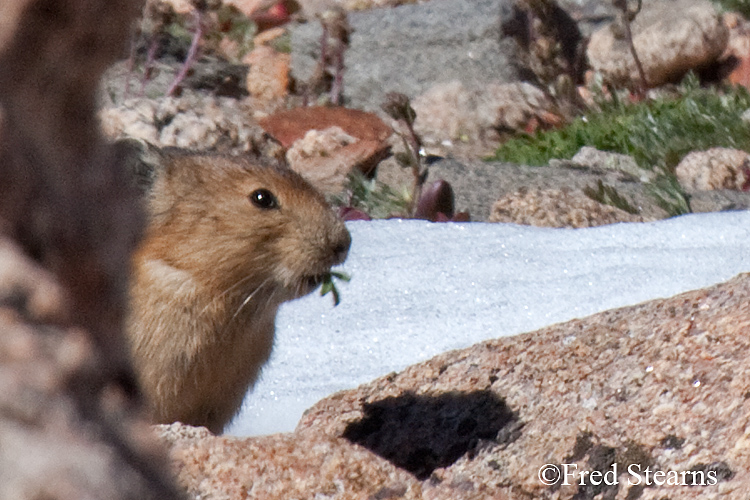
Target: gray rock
478,184
411,47
721,200
607,160
451,111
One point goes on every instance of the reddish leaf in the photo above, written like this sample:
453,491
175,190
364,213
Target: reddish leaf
436,199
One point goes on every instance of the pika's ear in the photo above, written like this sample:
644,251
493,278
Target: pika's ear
144,161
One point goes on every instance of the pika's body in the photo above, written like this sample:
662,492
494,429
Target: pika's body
228,241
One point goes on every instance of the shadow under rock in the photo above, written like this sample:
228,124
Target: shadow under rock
422,433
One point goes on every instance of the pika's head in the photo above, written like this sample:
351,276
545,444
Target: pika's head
235,222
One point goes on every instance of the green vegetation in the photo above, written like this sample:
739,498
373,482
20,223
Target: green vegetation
669,195
658,133
373,197
741,6
330,287
608,195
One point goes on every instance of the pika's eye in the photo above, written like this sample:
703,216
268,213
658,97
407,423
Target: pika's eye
263,198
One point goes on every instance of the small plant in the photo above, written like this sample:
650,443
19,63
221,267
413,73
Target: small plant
626,17
235,27
199,28
329,73
206,28
608,195
373,197
552,47
399,108
329,286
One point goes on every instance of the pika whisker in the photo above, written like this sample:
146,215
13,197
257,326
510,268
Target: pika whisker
226,292
248,299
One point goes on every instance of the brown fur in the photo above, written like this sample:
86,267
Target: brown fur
210,275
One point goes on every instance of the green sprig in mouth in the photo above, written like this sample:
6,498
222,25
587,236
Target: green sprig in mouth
329,286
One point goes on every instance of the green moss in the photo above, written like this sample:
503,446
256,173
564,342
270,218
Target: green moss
657,133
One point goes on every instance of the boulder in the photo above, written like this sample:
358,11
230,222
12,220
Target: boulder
556,208
268,78
282,466
452,111
714,169
479,184
325,144
326,157
607,160
671,37
410,48
195,122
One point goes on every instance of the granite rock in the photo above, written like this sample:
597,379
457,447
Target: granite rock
478,184
737,54
313,7
716,168
51,448
69,428
671,37
410,48
556,208
198,122
607,160
268,78
325,145
282,466
451,111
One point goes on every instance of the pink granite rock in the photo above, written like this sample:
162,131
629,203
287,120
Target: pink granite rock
282,466
670,38
556,208
716,168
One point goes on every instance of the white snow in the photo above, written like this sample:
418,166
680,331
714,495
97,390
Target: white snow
419,289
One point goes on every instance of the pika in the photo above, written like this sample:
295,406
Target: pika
228,240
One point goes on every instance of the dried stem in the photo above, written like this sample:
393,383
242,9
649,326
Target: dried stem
627,17
337,87
399,108
334,41
150,57
191,55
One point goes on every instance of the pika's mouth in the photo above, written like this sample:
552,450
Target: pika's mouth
314,281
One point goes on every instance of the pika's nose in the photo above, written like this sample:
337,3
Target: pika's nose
340,245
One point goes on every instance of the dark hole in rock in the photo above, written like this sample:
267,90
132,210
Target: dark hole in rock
582,446
600,459
422,433
703,474
672,442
